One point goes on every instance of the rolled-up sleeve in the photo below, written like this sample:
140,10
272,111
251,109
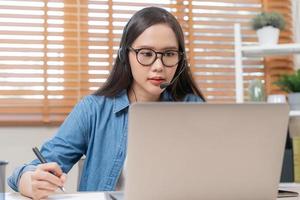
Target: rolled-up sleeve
68,144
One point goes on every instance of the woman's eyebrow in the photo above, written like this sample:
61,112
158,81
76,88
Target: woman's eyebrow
170,48
152,47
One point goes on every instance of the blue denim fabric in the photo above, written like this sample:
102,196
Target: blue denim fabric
96,128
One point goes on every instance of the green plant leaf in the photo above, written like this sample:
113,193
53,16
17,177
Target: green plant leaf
268,19
289,83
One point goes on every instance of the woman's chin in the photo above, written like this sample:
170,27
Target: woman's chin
155,91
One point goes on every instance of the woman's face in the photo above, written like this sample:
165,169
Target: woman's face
147,79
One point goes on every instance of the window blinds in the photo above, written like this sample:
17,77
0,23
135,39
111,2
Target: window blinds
32,61
54,52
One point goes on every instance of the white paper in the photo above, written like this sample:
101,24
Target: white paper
75,196
79,196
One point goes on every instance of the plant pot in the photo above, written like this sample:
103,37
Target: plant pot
294,100
268,35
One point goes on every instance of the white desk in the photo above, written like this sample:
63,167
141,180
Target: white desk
103,196
74,196
295,113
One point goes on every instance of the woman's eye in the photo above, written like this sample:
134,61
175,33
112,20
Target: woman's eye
170,53
146,53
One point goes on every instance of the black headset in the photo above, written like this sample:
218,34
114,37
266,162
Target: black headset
122,52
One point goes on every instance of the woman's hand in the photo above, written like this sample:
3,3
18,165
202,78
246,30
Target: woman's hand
42,182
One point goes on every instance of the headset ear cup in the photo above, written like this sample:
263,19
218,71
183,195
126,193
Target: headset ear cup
121,54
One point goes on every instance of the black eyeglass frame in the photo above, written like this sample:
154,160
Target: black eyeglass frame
180,54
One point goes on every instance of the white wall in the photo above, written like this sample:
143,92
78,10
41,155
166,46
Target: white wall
16,147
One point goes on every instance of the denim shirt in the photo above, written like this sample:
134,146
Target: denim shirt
96,128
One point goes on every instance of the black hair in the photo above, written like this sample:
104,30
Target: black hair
121,78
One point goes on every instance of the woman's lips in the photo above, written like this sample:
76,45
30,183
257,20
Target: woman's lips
157,81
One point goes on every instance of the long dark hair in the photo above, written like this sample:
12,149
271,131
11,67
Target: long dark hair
121,78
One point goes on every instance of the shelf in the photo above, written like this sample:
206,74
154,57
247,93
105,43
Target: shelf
295,113
279,49
241,51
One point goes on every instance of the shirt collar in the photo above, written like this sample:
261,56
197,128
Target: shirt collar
121,101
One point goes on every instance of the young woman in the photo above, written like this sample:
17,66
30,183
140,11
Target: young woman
151,66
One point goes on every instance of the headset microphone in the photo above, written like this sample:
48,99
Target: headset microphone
166,84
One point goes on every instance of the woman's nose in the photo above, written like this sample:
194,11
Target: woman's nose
158,65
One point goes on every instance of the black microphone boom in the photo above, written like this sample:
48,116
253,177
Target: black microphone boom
166,84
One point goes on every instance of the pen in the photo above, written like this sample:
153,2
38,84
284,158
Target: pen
112,197
43,160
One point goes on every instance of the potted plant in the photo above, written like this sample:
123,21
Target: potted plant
290,83
268,26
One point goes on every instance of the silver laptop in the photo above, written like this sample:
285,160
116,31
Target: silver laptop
205,151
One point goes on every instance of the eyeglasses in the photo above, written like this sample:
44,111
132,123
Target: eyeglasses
147,57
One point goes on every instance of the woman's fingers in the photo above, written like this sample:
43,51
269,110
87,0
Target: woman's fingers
51,167
63,178
46,179
41,175
44,185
